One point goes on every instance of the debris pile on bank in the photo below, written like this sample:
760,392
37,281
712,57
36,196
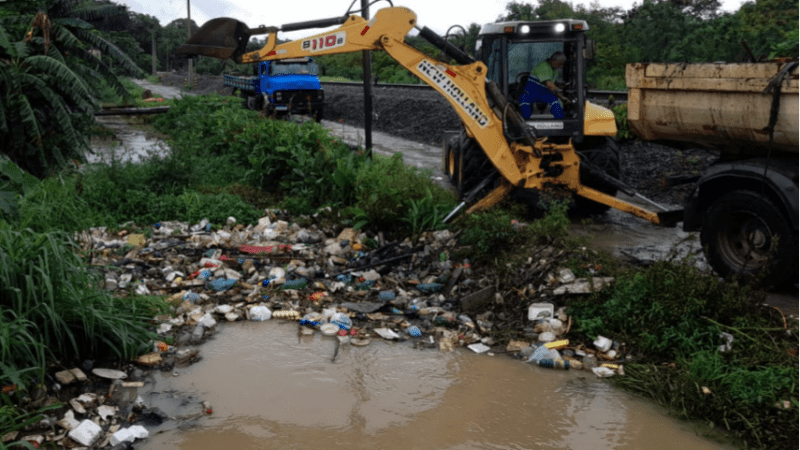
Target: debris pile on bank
355,287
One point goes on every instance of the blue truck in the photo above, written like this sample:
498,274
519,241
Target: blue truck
281,87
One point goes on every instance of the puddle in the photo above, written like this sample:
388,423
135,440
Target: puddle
271,388
130,145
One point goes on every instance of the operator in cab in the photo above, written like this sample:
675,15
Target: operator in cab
541,86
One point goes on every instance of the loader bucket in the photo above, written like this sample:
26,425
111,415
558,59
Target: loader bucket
222,38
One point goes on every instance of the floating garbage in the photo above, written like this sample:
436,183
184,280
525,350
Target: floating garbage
286,315
260,313
295,284
540,311
429,287
342,320
222,284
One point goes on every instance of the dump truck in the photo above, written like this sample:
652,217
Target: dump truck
745,205
288,86
498,151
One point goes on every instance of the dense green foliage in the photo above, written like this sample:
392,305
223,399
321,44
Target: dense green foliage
51,307
49,81
652,31
672,316
302,164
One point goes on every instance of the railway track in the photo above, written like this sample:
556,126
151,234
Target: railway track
598,96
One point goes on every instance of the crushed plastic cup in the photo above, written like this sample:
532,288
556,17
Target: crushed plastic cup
539,354
603,343
540,311
603,372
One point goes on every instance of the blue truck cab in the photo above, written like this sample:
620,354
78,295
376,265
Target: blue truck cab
287,86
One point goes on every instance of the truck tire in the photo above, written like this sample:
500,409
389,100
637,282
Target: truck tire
603,152
471,166
738,233
451,159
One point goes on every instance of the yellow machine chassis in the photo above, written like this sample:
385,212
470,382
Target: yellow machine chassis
464,86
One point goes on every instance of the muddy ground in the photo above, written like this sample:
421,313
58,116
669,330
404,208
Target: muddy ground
423,115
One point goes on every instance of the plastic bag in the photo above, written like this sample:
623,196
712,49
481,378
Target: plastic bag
260,313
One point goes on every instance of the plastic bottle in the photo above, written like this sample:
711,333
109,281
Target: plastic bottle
467,321
295,284
589,361
554,364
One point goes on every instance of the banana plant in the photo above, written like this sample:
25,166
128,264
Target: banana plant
49,81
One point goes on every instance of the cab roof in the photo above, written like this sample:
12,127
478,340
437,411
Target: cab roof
536,26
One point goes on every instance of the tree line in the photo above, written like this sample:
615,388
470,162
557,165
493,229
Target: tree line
57,57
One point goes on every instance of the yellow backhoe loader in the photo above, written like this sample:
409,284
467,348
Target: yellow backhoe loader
498,151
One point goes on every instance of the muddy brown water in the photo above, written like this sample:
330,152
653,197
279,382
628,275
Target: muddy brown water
270,388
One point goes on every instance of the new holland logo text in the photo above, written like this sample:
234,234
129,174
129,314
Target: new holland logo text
441,79
325,42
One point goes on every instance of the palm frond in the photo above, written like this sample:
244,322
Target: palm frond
73,22
21,49
65,37
3,124
56,102
113,82
27,116
59,71
16,20
4,42
111,49
91,11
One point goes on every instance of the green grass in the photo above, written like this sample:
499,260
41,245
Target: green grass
53,307
341,79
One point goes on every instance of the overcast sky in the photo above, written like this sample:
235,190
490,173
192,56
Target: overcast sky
437,15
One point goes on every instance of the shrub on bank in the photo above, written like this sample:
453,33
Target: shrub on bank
672,317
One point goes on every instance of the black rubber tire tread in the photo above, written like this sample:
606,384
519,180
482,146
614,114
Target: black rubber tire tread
471,164
720,216
448,150
604,153
475,167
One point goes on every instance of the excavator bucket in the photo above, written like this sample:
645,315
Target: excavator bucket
222,38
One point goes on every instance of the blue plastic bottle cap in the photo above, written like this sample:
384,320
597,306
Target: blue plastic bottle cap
265,283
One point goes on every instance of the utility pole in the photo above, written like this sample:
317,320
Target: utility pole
153,50
189,34
367,58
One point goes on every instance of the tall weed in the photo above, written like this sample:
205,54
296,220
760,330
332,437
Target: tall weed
43,282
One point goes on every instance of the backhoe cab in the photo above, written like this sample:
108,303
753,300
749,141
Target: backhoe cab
511,50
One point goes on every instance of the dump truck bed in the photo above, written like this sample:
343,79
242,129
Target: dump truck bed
718,106
243,83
